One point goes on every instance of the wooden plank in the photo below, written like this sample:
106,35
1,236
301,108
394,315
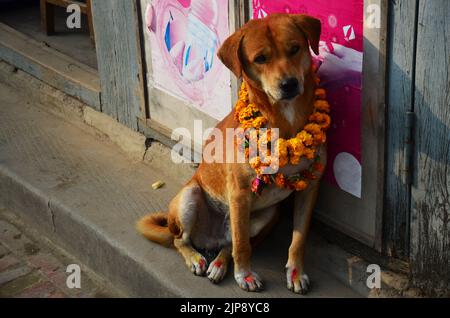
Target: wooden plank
401,59
430,221
47,17
235,24
119,60
50,66
239,14
66,3
362,218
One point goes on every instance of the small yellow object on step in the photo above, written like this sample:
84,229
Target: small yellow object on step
157,185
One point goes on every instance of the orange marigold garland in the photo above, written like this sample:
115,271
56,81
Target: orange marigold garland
303,145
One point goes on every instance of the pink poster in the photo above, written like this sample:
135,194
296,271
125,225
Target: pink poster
185,36
340,70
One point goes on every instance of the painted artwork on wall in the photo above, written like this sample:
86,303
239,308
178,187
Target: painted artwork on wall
340,69
185,36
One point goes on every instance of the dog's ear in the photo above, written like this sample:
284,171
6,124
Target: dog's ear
229,53
311,27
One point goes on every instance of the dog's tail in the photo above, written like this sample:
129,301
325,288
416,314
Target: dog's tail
155,227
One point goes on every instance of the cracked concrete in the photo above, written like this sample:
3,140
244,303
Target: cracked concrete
52,215
32,267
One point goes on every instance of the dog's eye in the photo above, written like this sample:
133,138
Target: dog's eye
294,49
260,59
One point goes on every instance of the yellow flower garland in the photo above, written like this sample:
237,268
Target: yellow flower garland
303,145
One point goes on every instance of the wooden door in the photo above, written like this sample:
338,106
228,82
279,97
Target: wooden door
416,220
430,196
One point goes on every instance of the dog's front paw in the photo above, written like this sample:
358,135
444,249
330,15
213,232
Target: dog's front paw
297,281
248,281
198,264
216,271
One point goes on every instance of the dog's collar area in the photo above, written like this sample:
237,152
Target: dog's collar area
305,144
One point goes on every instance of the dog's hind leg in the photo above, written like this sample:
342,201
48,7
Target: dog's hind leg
186,206
194,260
218,267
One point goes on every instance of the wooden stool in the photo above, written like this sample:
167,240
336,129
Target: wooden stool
48,14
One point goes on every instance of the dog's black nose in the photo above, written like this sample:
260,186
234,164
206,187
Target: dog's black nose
289,87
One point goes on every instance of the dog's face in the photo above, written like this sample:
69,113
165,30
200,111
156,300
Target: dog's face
274,53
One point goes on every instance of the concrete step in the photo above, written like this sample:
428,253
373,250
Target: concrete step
85,194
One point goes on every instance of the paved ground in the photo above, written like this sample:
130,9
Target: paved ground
29,267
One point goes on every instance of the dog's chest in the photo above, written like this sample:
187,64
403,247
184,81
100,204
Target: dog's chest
272,194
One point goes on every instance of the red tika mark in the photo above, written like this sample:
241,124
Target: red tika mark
294,274
201,262
249,279
218,264
318,167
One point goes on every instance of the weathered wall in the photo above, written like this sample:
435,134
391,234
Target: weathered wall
416,216
430,205
401,64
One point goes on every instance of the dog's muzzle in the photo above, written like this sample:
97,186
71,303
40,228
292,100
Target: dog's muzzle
290,88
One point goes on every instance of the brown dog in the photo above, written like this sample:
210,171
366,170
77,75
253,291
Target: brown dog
216,210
